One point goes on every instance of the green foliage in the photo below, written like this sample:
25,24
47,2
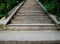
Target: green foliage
50,5
10,4
2,7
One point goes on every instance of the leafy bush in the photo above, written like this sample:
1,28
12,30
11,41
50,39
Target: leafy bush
2,7
10,4
50,5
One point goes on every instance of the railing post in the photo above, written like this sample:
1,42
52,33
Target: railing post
58,10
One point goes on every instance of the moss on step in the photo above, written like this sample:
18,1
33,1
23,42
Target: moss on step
58,27
2,27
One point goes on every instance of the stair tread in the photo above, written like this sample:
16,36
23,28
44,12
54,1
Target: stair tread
36,24
32,17
31,27
26,14
31,13
22,19
28,22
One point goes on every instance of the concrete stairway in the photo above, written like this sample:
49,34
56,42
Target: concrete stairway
31,17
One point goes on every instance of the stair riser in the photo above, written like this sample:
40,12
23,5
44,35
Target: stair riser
30,3
30,6
31,27
29,22
31,9
30,14
26,28
30,42
32,17
21,20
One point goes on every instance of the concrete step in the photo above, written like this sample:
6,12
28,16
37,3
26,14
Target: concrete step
30,42
41,13
30,37
31,12
31,27
31,9
31,6
31,17
30,3
29,22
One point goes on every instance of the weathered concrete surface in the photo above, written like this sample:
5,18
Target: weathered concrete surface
30,13
29,35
